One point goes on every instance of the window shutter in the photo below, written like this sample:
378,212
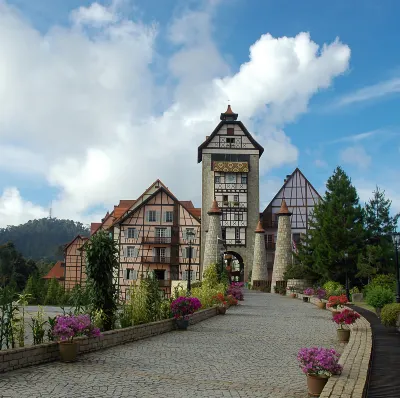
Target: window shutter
134,274
136,252
157,216
193,252
184,234
193,275
122,233
125,251
184,275
125,274
154,252
147,216
166,275
168,252
168,232
135,233
164,216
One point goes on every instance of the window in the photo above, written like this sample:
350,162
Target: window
152,216
224,216
237,233
189,252
238,217
230,130
230,178
225,200
236,198
244,179
217,179
131,274
169,216
161,232
296,237
185,275
132,233
230,141
131,251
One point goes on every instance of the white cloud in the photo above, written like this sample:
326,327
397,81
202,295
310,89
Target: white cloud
14,210
355,155
320,163
374,91
359,137
90,105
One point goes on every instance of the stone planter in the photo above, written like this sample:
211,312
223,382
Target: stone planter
292,295
68,351
299,284
221,310
321,305
316,384
182,324
343,335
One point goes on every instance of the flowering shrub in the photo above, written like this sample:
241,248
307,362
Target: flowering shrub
220,299
231,300
235,289
335,301
346,317
319,361
182,307
309,291
320,293
70,326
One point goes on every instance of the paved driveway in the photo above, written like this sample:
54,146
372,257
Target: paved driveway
249,352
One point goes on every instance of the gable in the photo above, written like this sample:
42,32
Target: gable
240,140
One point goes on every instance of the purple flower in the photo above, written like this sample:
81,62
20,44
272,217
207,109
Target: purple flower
70,326
309,291
182,307
319,361
235,290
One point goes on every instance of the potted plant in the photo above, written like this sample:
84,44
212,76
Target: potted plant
292,291
335,302
321,293
318,364
307,294
221,303
182,308
231,300
346,317
69,326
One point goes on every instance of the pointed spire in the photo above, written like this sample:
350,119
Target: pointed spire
284,211
229,115
214,208
259,228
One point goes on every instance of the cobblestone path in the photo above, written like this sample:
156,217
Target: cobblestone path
249,352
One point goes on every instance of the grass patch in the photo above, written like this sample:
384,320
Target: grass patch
365,306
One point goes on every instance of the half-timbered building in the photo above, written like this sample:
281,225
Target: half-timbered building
74,262
300,197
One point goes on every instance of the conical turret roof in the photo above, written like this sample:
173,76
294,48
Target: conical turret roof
284,211
214,208
259,228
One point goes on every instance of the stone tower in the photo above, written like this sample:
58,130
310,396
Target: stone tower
283,251
230,174
259,274
212,246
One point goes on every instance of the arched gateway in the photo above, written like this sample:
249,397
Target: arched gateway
230,175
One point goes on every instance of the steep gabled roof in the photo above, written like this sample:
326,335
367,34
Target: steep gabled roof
286,182
84,238
94,226
58,271
215,132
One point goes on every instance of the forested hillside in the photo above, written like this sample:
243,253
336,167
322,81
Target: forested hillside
42,239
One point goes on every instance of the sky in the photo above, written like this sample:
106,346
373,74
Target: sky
99,99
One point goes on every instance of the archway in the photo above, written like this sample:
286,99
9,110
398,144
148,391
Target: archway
234,264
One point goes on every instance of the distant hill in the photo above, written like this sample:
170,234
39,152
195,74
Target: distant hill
42,239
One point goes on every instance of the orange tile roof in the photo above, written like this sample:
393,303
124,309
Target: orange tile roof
94,226
58,271
187,203
195,212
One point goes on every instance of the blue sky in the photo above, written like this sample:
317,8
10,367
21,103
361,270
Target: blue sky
352,121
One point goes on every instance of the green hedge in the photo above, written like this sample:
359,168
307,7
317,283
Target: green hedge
390,313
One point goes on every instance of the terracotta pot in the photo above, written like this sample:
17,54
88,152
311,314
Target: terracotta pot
321,305
343,335
292,295
306,299
182,324
334,312
221,310
315,385
68,351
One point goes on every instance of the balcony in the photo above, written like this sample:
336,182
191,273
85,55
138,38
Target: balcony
160,240
233,242
157,259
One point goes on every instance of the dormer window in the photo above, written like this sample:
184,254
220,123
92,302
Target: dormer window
230,140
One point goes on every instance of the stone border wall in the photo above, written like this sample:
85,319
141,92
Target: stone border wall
355,360
32,355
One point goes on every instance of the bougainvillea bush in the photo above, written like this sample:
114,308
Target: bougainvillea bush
69,326
335,301
346,317
182,307
319,361
235,290
309,291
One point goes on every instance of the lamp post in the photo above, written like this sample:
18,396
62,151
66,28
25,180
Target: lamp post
396,243
190,235
346,255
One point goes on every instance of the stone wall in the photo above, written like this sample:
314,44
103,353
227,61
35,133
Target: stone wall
48,352
212,247
207,197
260,271
300,284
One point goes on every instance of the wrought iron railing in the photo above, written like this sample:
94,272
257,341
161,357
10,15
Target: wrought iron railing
162,240
156,259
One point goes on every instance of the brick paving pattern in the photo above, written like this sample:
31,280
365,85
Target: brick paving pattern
249,352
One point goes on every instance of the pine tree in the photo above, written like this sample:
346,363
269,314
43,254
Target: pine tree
336,228
53,293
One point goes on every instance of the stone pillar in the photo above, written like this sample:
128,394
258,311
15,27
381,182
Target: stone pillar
259,275
212,247
283,249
